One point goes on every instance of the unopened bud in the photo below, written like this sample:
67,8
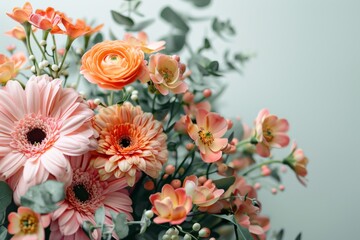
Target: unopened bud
43,43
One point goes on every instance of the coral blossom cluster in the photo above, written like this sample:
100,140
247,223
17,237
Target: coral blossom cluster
143,141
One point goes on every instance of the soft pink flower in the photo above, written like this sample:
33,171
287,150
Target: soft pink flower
17,32
270,132
207,133
203,195
166,74
7,68
84,196
129,141
170,205
21,15
45,19
27,224
298,162
142,41
19,60
40,126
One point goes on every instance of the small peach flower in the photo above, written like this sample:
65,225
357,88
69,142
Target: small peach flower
19,60
45,19
166,74
298,162
21,15
207,133
129,141
142,41
27,224
202,195
270,132
7,69
170,205
113,64
17,32
73,31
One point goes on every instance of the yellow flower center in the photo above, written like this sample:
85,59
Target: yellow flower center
268,135
206,137
167,74
28,224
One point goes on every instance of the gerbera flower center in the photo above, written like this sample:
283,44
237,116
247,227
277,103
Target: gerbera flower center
268,135
124,142
81,193
206,137
36,136
28,224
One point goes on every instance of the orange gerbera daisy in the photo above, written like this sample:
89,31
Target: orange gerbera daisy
129,140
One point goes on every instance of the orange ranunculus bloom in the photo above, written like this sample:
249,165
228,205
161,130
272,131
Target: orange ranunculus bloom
21,15
7,68
45,20
113,64
17,32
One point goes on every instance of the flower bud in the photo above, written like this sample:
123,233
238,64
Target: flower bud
43,43
149,214
204,232
207,93
196,226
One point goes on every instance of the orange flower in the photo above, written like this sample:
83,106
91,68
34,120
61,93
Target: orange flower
113,64
298,162
45,20
129,140
27,224
21,15
142,41
72,30
7,69
17,32
19,60
170,205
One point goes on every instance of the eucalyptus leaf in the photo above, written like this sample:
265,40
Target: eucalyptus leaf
214,66
3,233
200,3
280,235
5,196
98,38
43,198
100,217
121,227
88,228
121,19
224,183
112,35
2,217
172,17
298,237
244,233
174,43
140,26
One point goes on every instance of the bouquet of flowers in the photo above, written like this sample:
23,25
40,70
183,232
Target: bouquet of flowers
140,152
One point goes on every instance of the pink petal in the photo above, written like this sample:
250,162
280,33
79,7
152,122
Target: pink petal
193,131
30,170
33,96
201,118
218,144
210,156
282,125
216,124
55,162
262,150
73,145
280,140
168,191
11,163
163,209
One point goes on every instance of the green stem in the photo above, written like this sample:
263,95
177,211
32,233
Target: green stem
111,98
55,57
208,170
260,165
28,31
243,142
183,161
67,48
153,104
38,44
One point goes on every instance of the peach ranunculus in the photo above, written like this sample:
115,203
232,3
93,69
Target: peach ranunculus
45,19
142,41
7,69
21,15
17,32
113,64
27,224
166,73
297,161
207,134
203,195
270,131
170,205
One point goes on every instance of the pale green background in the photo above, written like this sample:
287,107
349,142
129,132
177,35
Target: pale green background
307,70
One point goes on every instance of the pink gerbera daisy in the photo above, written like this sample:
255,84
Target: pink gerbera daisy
39,126
129,141
84,195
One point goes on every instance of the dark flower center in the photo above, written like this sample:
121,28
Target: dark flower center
81,193
36,136
124,142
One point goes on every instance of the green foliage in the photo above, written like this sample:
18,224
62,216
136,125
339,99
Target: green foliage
224,183
121,226
243,232
172,17
140,25
98,38
88,228
279,235
200,3
3,233
43,198
121,19
298,237
174,43
223,28
100,218
5,197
